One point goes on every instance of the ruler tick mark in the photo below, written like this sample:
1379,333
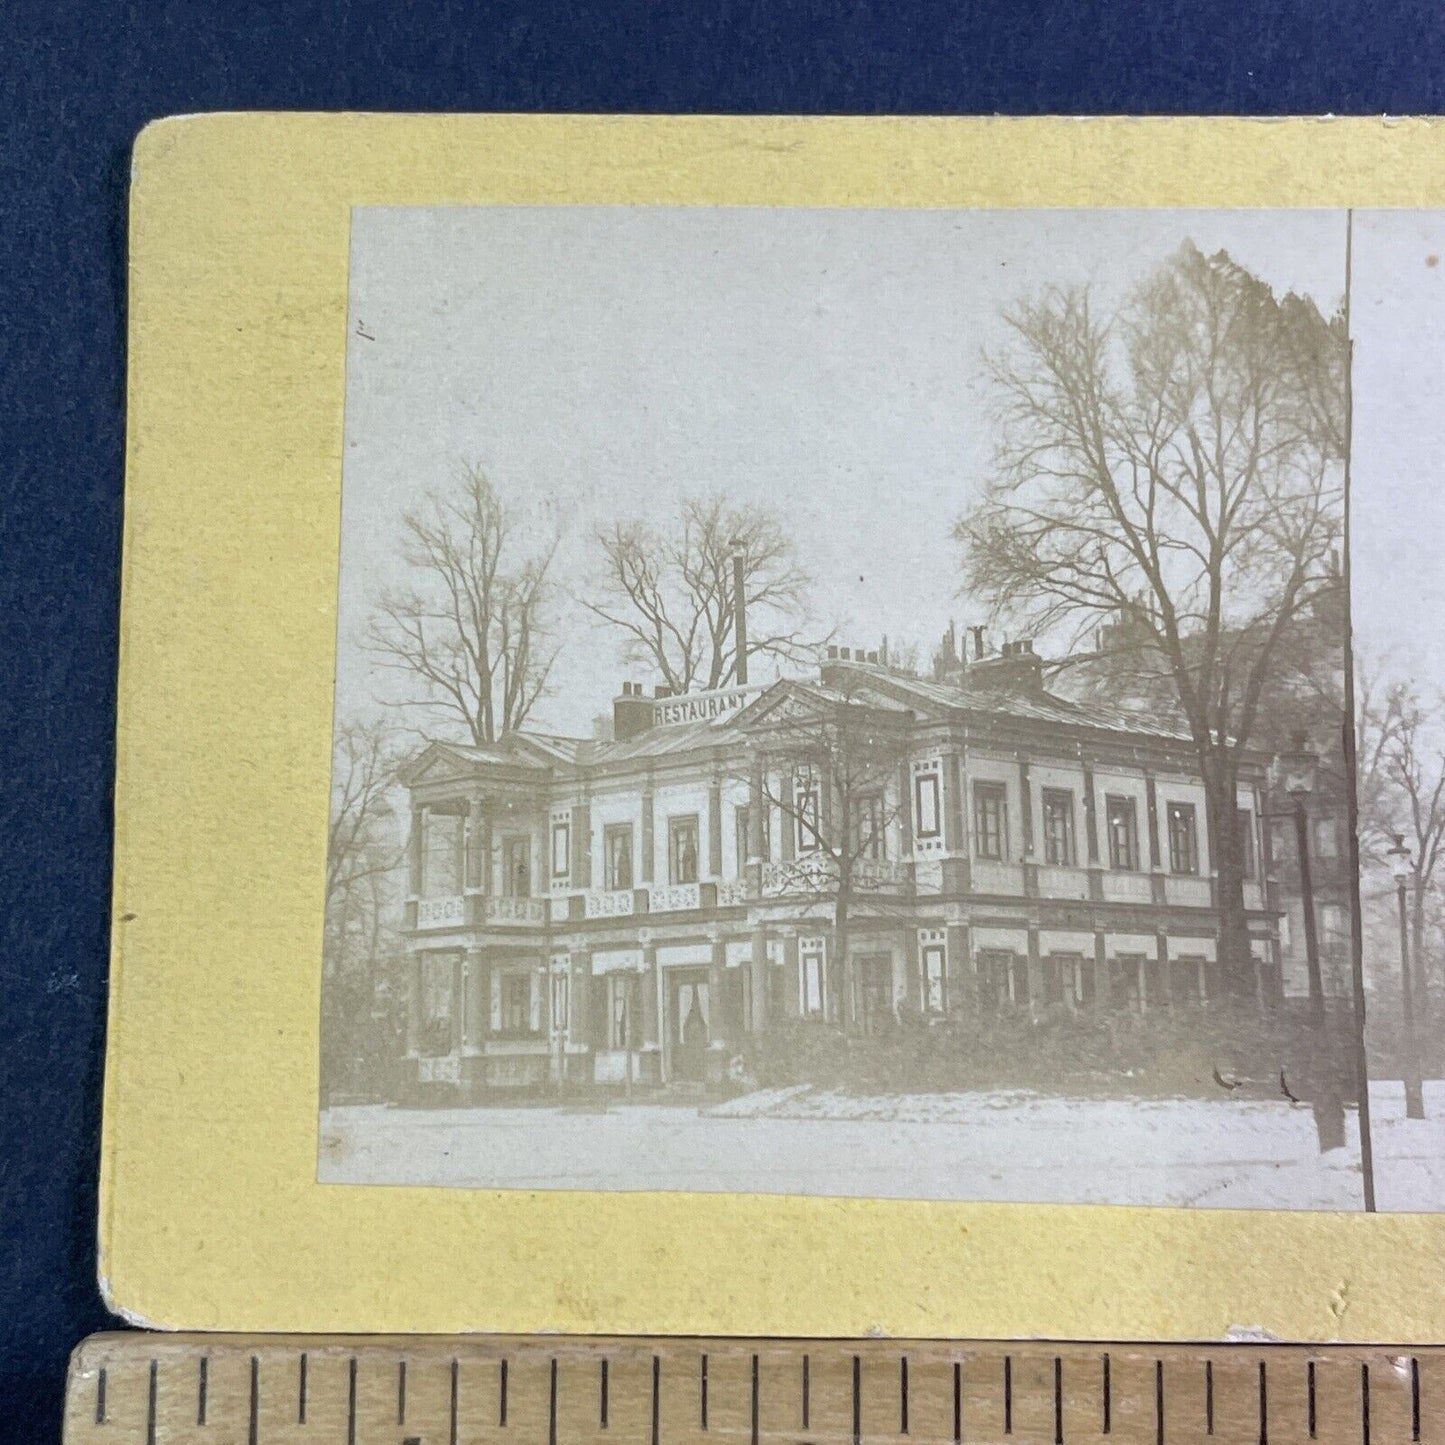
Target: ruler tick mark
1209,1397
351,1402
602,1395
502,1395
1108,1397
401,1392
656,1399
806,1383
456,1390
151,1407
1365,1403
301,1390
957,1401
903,1395
1058,1400
254,1429
1158,1402
1414,1397
1008,1394
755,1402
205,1371
100,1397
1263,1404
702,1393
1310,1388
551,1405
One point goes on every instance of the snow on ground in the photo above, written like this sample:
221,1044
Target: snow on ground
1006,1146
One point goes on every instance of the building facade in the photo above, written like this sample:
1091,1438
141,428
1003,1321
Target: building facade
846,850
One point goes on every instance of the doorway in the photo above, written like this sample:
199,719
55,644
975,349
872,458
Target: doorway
875,993
689,1022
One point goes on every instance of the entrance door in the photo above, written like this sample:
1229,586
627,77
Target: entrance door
690,1020
875,993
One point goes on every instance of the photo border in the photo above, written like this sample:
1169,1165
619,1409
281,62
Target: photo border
211,1216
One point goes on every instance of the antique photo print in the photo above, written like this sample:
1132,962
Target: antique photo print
891,703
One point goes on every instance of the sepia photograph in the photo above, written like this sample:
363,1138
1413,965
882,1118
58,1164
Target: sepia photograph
914,704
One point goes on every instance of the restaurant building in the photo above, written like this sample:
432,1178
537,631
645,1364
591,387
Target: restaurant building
634,912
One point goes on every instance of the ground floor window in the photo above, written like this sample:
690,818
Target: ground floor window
560,1001
934,959
1063,979
1003,979
436,985
812,977
515,1003
1127,981
1186,977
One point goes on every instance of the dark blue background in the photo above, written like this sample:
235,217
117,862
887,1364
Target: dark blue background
77,81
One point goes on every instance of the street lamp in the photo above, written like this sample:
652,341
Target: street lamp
1295,772
1401,865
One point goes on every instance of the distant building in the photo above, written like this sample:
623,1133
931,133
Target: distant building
631,911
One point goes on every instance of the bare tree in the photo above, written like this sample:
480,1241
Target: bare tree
1176,469
470,634
670,591
831,767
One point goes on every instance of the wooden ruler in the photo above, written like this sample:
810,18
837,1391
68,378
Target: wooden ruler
434,1390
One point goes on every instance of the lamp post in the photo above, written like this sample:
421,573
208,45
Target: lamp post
1401,867
1295,772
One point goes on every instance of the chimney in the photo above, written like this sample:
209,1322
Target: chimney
740,611
631,712
977,643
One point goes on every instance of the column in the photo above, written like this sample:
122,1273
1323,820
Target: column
458,1000
962,980
757,828
1026,810
476,993
1156,854
912,971
955,824
650,985
1091,835
479,849
905,810
414,845
579,1000
720,1027
714,829
648,874
791,996
582,845
758,974
413,1011
1101,972
787,823
1035,973
1166,981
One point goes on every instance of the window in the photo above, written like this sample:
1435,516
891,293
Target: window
806,820
437,981
1126,981
1183,838
1245,823
516,990
742,827
990,820
619,1010
442,854
517,867
560,998
1058,827
870,840
1063,979
935,981
811,977
927,805
682,849
1123,826
1282,840
561,847
617,856
1327,838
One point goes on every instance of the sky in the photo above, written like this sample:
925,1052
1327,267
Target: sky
605,361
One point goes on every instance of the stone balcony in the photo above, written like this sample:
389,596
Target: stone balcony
472,910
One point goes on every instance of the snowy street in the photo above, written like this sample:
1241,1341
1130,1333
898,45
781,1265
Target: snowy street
1018,1147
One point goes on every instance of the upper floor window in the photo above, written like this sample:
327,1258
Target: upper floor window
561,847
1059,827
806,815
870,829
1327,838
742,835
617,855
1183,839
442,854
1244,821
990,820
682,849
517,866
927,804
1123,827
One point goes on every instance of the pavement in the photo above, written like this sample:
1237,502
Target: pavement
986,1147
